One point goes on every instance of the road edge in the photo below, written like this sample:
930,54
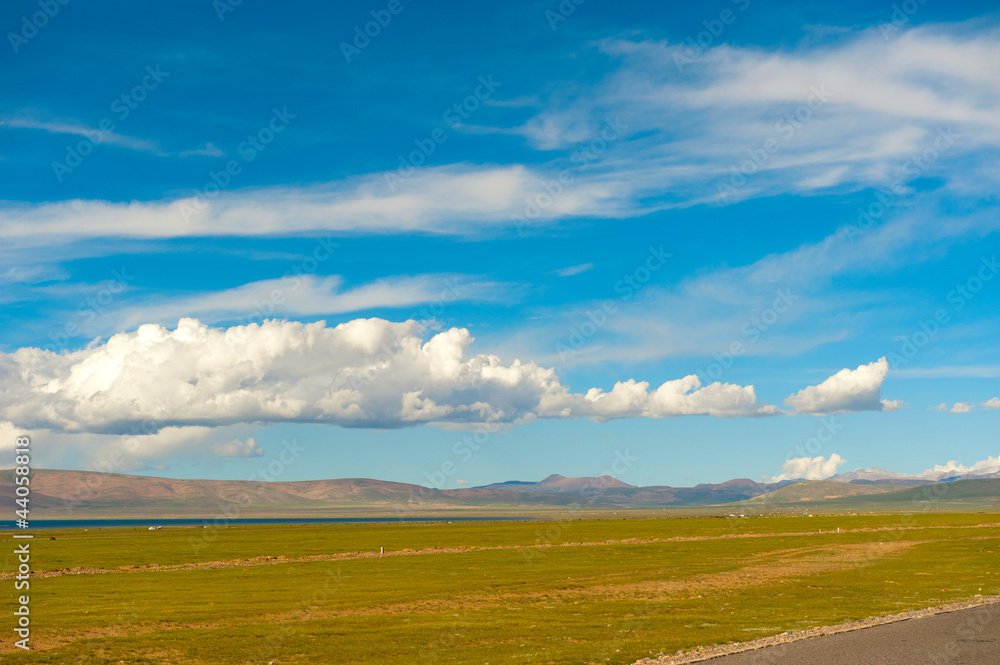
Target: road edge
700,654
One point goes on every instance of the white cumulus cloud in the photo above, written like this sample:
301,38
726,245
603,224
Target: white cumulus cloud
363,373
808,468
237,448
957,407
846,391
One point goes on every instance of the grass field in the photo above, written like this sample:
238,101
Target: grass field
563,591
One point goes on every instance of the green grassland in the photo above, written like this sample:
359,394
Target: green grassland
548,591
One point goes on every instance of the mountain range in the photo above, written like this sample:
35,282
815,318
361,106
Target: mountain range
62,494
945,473
58,493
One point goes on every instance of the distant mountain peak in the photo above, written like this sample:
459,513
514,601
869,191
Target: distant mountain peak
870,473
558,483
942,472
564,483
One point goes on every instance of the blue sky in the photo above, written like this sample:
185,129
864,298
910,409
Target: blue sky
497,222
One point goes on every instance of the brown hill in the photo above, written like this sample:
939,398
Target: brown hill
564,484
58,493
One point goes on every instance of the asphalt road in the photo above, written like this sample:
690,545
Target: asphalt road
965,637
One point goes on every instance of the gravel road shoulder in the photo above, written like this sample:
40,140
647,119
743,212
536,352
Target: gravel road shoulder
707,653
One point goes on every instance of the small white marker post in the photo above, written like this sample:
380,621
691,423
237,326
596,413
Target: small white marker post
381,550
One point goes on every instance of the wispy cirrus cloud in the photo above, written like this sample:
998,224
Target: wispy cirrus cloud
78,129
739,122
736,123
950,371
574,270
800,293
309,295
461,199
98,135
